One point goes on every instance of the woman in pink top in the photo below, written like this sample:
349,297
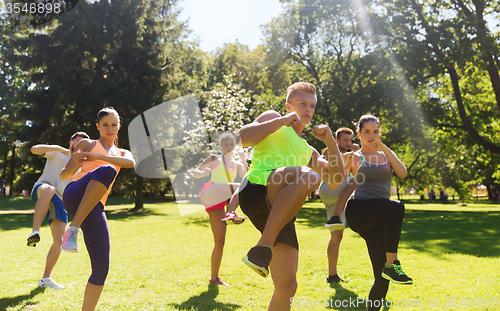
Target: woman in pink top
215,193
84,198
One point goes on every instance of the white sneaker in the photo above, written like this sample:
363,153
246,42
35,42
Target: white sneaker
49,283
34,238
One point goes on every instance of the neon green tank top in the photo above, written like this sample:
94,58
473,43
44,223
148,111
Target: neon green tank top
219,175
282,148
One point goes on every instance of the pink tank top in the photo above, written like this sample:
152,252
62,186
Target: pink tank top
92,165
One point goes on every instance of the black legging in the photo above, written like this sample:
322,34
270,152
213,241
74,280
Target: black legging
379,222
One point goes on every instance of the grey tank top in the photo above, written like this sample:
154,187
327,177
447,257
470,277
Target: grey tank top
330,197
374,180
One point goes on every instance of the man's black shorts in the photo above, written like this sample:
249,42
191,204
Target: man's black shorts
253,202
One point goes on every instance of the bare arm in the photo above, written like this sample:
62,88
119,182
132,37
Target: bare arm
347,159
76,160
356,161
125,160
205,167
43,149
331,171
265,124
397,166
243,168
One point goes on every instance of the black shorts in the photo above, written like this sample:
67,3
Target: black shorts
253,202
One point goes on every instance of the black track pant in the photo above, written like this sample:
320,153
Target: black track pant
379,222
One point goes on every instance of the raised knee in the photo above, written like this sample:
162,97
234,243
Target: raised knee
312,179
108,169
48,190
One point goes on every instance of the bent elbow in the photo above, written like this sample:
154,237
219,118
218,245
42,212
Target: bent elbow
403,174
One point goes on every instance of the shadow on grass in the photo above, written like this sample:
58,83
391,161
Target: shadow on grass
18,203
198,221
14,221
437,232
206,301
311,217
6,302
440,232
345,299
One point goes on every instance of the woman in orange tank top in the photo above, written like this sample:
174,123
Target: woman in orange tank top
84,198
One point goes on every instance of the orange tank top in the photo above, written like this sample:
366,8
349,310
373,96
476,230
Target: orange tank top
92,165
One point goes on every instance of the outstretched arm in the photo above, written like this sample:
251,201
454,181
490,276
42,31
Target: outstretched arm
43,149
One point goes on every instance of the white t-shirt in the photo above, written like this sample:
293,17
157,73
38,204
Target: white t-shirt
51,175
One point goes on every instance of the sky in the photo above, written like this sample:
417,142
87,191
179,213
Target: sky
216,22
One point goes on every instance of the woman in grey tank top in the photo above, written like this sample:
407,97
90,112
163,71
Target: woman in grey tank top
370,211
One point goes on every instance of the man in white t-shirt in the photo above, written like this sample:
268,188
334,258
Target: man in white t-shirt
47,195
330,196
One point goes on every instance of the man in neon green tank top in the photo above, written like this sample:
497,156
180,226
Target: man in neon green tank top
284,170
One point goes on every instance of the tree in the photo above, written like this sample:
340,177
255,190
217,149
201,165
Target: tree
451,42
130,54
331,44
12,109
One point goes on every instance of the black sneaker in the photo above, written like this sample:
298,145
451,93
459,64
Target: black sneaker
34,238
334,279
395,274
258,258
334,224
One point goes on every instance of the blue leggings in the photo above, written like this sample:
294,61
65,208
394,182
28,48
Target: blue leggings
95,226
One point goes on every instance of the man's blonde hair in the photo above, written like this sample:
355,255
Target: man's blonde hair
300,86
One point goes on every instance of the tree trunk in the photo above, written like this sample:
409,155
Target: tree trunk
463,114
12,168
5,161
139,194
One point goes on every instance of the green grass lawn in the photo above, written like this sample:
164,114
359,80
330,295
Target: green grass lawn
161,261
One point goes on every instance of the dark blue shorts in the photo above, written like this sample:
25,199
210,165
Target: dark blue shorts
56,207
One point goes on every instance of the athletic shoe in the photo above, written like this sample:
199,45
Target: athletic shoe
232,218
258,258
34,238
218,281
334,279
395,274
69,240
49,282
334,224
